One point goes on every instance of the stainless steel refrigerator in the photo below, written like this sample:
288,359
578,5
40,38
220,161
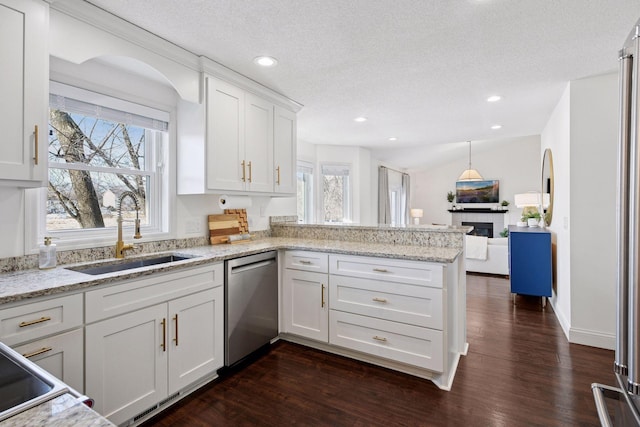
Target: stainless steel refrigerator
620,405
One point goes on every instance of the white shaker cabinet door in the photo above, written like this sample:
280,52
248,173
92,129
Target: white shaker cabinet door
24,67
226,168
284,151
196,337
258,145
306,304
126,362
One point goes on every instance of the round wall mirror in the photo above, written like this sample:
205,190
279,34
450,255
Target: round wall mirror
547,186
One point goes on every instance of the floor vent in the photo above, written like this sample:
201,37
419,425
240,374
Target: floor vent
169,399
142,414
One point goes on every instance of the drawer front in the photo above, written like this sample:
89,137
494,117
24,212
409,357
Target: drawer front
38,319
61,355
412,304
409,344
157,288
307,261
390,270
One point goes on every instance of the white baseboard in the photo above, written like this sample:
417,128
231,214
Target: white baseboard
592,338
564,323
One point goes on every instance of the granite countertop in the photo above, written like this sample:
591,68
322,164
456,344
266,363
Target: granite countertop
441,228
62,411
19,285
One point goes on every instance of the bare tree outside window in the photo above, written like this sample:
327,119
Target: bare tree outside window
336,193
89,157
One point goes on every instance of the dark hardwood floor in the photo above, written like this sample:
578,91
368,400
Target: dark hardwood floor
520,371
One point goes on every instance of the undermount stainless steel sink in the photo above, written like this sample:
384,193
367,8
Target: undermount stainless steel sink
128,264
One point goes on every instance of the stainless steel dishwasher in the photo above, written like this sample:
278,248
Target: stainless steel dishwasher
251,309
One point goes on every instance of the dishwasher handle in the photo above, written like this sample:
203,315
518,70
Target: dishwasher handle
252,266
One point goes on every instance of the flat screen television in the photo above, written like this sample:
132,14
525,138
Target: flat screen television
478,191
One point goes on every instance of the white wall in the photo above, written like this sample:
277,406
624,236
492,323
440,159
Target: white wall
582,133
557,136
12,222
593,157
515,162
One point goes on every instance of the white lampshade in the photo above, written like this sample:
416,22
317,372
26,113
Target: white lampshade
470,175
524,200
416,213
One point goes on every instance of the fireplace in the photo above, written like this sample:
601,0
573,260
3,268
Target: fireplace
480,228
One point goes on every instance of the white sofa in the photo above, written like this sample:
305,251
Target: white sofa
497,261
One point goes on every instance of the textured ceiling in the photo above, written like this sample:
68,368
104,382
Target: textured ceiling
419,70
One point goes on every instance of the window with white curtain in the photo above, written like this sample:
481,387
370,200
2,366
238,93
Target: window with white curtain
336,192
305,192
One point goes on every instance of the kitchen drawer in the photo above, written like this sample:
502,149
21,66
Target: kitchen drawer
38,319
409,344
61,355
306,261
412,304
390,270
158,288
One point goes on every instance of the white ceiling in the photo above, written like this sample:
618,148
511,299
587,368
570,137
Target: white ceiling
419,70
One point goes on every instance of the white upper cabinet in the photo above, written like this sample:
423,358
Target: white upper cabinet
258,144
225,167
249,144
24,92
284,151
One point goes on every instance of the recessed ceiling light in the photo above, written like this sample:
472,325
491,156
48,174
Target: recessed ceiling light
360,119
494,98
265,61
496,127
393,138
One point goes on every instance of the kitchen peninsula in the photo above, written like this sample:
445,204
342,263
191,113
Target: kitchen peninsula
419,268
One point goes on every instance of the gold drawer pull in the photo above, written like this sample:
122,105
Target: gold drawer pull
303,261
249,166
377,338
376,299
37,352
381,270
322,296
244,177
176,338
35,141
164,334
278,179
33,322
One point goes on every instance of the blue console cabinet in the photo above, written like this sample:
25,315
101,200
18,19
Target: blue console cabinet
530,262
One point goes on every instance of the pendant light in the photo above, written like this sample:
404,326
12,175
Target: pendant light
470,174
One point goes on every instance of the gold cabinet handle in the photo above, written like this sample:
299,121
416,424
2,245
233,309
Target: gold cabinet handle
243,172
381,270
249,165
176,337
376,299
381,339
278,175
37,352
35,140
322,297
164,334
304,261
33,322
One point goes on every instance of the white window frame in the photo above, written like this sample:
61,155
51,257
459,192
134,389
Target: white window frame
309,208
157,168
347,207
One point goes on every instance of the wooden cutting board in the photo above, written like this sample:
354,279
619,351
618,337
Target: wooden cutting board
222,226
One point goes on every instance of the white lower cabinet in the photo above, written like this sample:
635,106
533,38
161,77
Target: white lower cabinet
306,308
392,340
49,333
139,359
61,355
